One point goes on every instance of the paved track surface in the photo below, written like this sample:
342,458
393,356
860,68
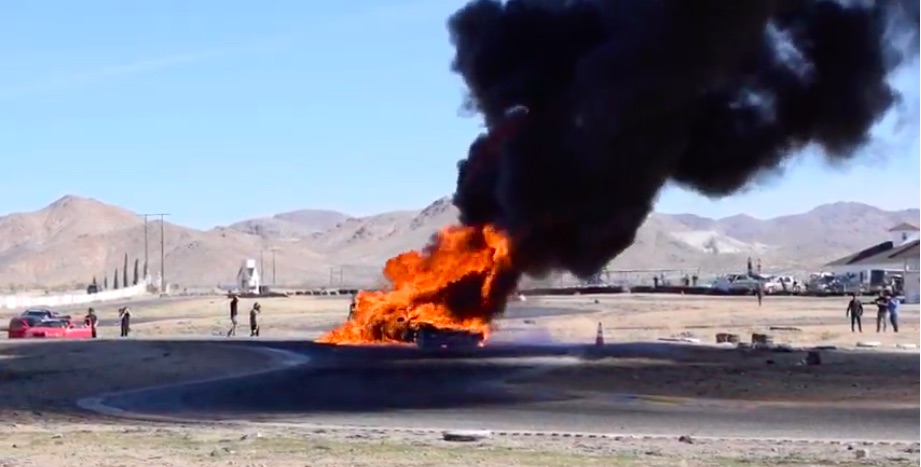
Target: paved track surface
114,305
108,311
394,387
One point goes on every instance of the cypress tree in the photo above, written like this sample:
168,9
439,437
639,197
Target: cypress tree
125,272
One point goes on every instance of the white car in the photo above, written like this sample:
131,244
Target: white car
777,284
737,282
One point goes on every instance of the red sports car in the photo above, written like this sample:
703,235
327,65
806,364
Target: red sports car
26,327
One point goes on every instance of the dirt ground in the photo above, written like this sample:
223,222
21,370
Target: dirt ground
626,318
39,382
130,445
809,321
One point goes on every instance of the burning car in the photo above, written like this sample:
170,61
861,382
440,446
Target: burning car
429,337
445,295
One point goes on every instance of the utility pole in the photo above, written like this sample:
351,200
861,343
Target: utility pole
147,242
163,283
261,266
273,250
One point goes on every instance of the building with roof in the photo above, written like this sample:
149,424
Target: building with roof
248,277
898,255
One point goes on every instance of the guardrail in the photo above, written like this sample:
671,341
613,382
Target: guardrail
22,301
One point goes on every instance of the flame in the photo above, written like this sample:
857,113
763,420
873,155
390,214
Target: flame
461,281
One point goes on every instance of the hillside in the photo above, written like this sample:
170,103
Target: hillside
75,239
292,224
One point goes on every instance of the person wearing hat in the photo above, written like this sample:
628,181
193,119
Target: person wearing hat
254,320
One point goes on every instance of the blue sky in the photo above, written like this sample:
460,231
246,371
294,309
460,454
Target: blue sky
220,110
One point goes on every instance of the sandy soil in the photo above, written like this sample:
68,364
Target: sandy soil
854,379
40,380
649,317
626,318
302,317
144,445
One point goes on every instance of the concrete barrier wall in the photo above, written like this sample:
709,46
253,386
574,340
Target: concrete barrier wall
25,301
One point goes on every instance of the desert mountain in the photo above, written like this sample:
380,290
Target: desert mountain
74,239
292,224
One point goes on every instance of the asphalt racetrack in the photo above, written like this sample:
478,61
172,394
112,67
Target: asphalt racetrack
404,388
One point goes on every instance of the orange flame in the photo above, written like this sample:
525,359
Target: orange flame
459,282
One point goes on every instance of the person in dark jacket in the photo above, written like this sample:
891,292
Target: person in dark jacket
234,308
882,311
855,311
254,320
91,320
124,320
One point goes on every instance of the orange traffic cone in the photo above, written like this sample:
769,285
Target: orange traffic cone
599,336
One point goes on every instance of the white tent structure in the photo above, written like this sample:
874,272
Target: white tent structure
248,277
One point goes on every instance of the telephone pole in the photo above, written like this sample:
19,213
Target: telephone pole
147,243
274,250
264,274
163,283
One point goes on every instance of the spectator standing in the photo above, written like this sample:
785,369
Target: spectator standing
352,307
882,311
124,320
254,320
234,311
91,320
893,309
855,311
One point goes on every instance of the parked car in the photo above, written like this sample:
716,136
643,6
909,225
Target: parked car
44,313
737,282
28,327
777,284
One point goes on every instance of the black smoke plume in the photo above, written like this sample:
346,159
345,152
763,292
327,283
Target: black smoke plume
626,96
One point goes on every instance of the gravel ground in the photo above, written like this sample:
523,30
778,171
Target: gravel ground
89,445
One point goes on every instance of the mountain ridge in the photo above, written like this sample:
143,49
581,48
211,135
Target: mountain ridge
74,239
